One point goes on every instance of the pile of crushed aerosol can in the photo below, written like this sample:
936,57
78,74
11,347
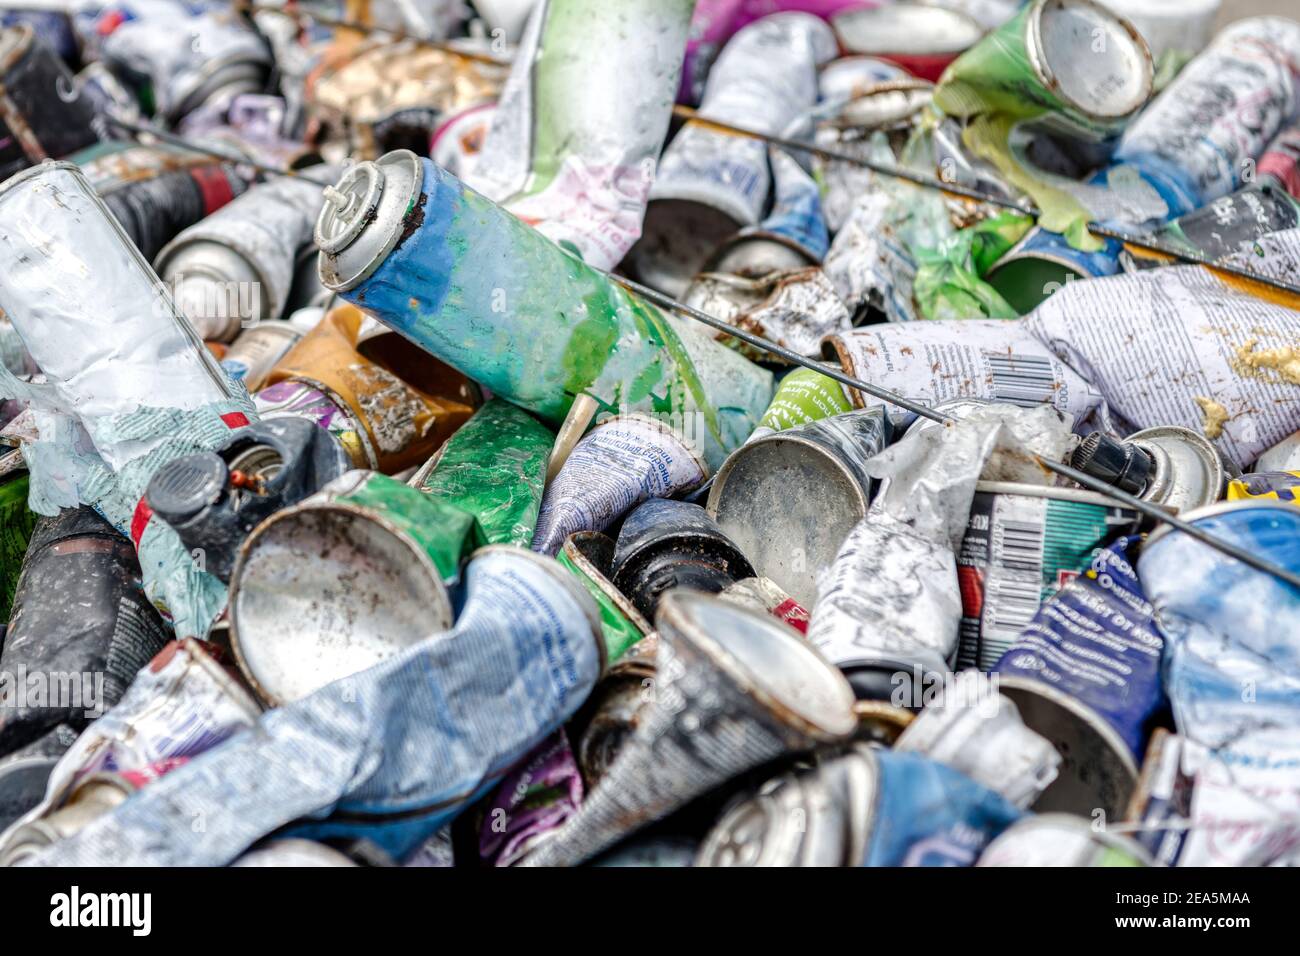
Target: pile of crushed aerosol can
653,432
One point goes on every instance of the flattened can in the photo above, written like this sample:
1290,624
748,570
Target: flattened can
790,499
1022,544
1062,839
43,114
1229,224
921,39
616,466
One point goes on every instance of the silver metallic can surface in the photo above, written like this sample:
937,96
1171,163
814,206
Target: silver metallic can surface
1188,471
253,354
790,499
735,689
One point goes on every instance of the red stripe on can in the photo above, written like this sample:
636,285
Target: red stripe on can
139,521
793,613
235,419
214,186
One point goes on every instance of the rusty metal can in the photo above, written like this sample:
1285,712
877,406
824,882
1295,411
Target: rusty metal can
404,403
43,114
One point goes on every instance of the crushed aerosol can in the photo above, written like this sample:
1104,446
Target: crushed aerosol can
43,114
733,690
864,807
590,556
790,499
710,184
389,404
398,547
181,705
665,544
1085,674
157,191
921,38
973,728
417,249
1205,128
1022,544
233,268
214,499
1062,839
616,466
1168,465
412,742
80,630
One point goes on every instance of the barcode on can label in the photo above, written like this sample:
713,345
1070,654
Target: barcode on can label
1024,380
1018,550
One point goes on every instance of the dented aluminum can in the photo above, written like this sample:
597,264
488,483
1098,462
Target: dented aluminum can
80,630
1022,544
43,114
408,744
710,184
1086,675
616,466
666,544
789,499
396,405
365,568
181,705
1062,839
234,268
438,263
734,690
